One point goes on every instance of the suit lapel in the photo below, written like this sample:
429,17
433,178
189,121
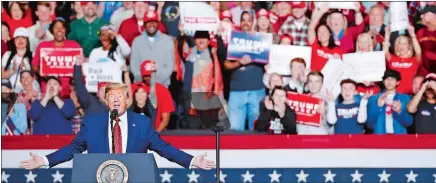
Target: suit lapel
106,135
131,132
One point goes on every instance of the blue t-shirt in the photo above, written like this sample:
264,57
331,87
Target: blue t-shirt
171,17
109,9
246,78
347,119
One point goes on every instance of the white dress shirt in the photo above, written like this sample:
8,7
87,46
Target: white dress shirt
34,41
123,125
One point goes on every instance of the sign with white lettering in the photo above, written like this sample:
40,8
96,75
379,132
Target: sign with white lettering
198,16
281,55
367,66
101,72
256,45
305,106
58,61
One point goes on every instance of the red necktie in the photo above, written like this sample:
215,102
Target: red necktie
118,140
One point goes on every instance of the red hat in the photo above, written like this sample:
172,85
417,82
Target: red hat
102,84
145,68
136,86
262,12
226,14
84,3
151,16
298,4
287,36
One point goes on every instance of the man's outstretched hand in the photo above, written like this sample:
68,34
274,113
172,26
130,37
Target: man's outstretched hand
35,162
201,162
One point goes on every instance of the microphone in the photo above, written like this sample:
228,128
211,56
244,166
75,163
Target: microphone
114,114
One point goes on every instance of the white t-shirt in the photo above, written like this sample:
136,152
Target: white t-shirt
14,79
389,118
100,55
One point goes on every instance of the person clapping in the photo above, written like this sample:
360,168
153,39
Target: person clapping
275,115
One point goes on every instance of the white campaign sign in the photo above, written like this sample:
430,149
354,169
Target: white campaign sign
281,55
101,72
334,72
198,16
398,15
338,5
368,66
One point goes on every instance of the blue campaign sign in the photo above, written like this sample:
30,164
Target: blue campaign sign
256,45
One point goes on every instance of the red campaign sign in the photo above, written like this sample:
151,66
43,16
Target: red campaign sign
305,107
58,61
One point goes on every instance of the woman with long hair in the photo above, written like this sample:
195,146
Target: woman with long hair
17,59
263,23
16,15
406,59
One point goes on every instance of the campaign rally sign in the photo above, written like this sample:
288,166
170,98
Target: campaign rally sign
399,16
367,66
281,55
305,107
198,16
256,45
101,72
58,61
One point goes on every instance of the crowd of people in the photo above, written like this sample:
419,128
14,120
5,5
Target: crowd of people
162,66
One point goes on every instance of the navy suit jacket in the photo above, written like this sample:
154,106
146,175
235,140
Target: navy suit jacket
93,136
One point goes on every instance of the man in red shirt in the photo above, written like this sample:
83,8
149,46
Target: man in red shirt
161,95
134,26
427,39
58,28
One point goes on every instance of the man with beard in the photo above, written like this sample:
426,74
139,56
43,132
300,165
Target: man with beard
297,25
58,28
85,30
134,26
153,45
246,87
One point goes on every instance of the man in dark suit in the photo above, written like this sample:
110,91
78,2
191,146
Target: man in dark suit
133,133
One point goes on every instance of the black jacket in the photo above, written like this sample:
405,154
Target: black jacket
266,116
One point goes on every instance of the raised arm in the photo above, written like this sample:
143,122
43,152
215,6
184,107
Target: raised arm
387,44
412,107
79,85
316,16
415,43
128,82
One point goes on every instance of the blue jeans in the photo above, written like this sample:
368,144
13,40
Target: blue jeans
243,104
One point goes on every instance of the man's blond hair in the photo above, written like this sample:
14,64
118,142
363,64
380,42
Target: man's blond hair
116,86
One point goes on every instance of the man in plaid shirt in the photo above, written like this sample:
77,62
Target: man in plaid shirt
297,25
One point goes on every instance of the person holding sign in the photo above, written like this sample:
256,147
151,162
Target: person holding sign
51,114
314,83
321,39
275,115
387,112
406,60
245,96
350,113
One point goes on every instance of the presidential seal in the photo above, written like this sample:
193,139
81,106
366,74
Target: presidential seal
112,171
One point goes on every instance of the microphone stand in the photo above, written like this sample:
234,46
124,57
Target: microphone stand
217,131
112,131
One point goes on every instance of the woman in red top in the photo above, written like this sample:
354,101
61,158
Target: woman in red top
406,60
17,16
321,39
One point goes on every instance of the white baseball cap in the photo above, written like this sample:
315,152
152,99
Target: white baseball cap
21,31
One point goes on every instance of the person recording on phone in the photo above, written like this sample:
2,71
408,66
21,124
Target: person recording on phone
129,133
275,115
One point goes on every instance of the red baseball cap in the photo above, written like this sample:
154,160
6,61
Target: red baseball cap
262,12
287,36
151,16
226,14
298,4
84,3
145,68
